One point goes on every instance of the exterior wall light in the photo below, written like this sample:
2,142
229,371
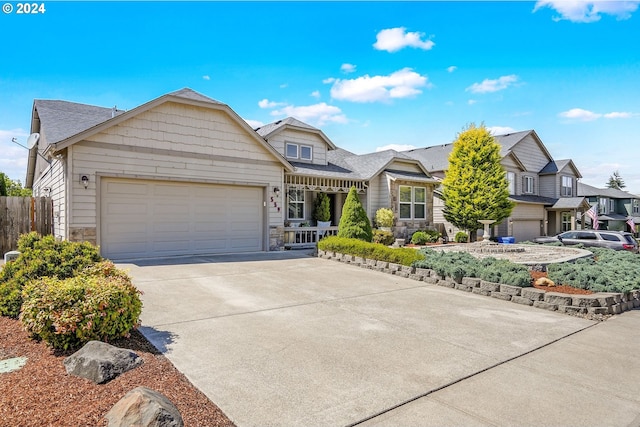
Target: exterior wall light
85,180
276,191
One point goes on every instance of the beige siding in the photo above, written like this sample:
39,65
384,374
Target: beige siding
279,141
402,166
446,228
54,179
379,196
550,186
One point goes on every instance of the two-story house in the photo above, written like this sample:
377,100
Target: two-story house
544,190
615,207
184,174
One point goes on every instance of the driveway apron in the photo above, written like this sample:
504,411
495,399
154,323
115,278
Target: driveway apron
283,339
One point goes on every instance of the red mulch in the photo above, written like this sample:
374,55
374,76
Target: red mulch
43,394
557,288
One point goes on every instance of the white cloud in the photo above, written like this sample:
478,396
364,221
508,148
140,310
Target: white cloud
452,68
284,85
254,123
329,80
397,147
315,94
347,68
13,161
316,114
471,101
206,78
588,11
500,130
489,85
265,103
394,39
400,84
587,116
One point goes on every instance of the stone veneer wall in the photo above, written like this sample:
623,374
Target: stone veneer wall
405,228
594,304
83,234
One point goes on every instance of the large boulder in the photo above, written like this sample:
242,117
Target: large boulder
143,407
101,362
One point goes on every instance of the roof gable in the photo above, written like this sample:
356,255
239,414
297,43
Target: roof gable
269,130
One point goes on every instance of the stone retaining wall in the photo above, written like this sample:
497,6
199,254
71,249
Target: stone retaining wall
594,304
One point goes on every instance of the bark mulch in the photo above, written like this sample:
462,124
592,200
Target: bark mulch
43,394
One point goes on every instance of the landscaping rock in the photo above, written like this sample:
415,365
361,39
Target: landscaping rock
489,286
545,305
533,294
521,300
585,301
501,295
557,298
143,407
101,362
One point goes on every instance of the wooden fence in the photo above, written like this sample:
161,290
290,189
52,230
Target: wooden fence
20,215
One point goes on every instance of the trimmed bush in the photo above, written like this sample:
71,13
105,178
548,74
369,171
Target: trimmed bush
41,257
424,237
355,247
383,237
384,217
461,237
354,222
101,304
322,208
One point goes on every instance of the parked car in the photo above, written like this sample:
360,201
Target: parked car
617,240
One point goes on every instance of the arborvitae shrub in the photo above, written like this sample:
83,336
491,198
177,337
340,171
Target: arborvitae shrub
354,222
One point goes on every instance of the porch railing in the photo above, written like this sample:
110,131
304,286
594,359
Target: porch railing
306,237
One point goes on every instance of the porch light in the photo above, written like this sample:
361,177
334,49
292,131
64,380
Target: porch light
276,191
85,180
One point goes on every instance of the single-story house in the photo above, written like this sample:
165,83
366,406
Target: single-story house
184,174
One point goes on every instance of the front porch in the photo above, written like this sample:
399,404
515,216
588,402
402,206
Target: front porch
306,237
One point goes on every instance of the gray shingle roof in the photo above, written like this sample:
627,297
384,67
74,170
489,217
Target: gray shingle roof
612,193
62,119
534,199
569,203
436,158
193,95
270,127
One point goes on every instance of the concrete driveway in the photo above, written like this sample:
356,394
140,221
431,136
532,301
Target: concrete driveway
283,339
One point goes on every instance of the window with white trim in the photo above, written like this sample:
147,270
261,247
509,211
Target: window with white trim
528,185
299,151
295,204
567,186
612,205
636,206
413,202
566,221
511,180
602,205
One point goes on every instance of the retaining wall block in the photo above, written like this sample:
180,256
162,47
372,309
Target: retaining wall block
557,298
533,294
320,253
501,295
347,258
489,286
615,309
598,310
418,277
521,300
480,291
435,280
511,290
628,305
474,282
425,272
371,262
446,283
585,301
382,264
636,303
394,267
359,260
402,274
572,309
605,300
408,270
463,287
545,305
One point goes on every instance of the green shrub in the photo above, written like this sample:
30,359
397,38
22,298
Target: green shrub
354,222
321,208
384,217
41,256
101,304
426,236
461,237
383,237
355,247
449,264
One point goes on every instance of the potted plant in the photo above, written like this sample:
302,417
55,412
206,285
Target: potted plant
384,219
322,210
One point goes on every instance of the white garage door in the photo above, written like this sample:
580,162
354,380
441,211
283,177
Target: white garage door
142,219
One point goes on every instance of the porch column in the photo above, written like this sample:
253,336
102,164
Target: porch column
545,229
573,219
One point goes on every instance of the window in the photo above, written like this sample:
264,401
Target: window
306,152
566,221
612,205
298,151
295,201
528,184
602,206
567,186
413,202
511,179
636,206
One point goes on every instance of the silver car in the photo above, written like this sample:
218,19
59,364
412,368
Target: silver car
617,240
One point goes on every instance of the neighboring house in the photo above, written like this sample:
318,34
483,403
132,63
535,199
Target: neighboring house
544,190
184,174
615,207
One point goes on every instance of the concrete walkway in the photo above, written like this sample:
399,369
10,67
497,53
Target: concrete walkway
284,339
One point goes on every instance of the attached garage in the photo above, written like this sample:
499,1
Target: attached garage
146,218
526,229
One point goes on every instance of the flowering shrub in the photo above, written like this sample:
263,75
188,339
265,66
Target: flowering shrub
100,304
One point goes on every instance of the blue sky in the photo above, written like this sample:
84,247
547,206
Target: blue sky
371,75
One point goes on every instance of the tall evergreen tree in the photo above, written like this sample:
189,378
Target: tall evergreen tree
616,181
475,186
354,222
